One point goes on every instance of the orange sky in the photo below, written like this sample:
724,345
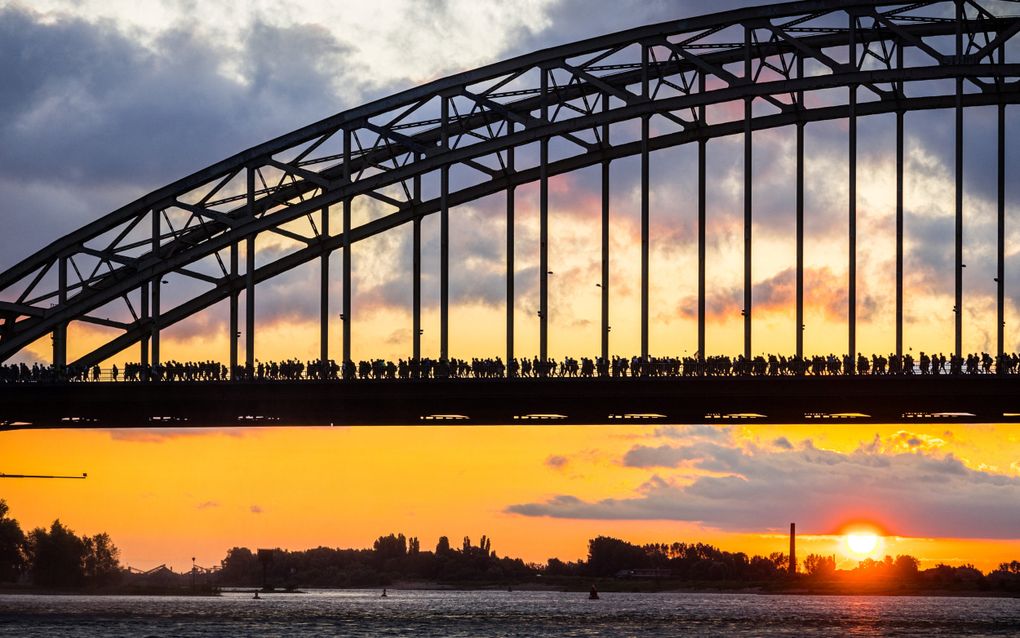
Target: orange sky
165,498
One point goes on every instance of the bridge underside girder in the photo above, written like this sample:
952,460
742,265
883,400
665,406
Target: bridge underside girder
643,401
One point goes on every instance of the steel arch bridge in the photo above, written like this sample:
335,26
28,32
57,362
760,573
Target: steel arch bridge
458,139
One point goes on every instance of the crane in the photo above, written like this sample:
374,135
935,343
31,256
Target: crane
41,476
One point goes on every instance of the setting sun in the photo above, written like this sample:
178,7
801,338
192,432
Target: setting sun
862,543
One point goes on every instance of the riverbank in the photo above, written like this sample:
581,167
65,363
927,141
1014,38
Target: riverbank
580,586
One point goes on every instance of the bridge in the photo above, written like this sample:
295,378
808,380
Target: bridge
427,150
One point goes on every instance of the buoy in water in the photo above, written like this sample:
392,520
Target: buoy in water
384,594
256,596
593,594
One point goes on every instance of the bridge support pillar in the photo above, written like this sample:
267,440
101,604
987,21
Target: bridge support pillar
748,168
249,283
899,232
510,263
234,333
444,242
852,204
416,276
702,203
345,312
645,222
324,300
800,221
60,332
852,230
1000,302
143,355
604,284
444,265
958,307
543,230
800,242
155,285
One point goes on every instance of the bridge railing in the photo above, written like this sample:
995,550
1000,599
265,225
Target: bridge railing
975,364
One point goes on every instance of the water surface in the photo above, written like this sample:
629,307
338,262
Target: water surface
501,614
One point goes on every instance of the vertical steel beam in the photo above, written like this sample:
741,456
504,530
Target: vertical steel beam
145,295
1000,271
543,223
702,220
852,230
958,234
60,332
324,299
800,218
234,336
747,195
157,283
144,312
852,204
510,250
416,273
249,281
345,312
899,210
444,241
644,207
604,284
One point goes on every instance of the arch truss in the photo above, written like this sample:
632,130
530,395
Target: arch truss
457,139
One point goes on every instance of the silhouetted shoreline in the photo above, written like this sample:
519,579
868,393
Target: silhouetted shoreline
59,561
580,588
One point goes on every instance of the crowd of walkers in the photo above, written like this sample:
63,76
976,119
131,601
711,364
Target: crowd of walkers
494,368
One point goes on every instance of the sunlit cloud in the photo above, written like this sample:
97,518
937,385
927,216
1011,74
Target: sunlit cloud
740,487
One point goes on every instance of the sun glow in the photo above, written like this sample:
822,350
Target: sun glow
862,543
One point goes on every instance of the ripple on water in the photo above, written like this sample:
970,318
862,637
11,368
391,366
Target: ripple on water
499,614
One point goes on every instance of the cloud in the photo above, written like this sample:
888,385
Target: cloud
255,509
557,461
903,482
205,505
159,435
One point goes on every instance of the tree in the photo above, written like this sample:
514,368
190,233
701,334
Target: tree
905,567
392,546
102,564
443,546
57,557
607,556
12,546
818,566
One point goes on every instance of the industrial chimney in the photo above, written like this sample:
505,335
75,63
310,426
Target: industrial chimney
793,549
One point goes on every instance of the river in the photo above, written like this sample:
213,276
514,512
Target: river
475,614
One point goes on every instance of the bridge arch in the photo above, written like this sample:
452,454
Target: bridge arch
890,57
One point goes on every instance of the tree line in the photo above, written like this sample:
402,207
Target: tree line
57,558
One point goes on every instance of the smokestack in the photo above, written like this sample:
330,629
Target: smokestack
793,549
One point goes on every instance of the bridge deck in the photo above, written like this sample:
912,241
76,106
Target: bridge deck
888,399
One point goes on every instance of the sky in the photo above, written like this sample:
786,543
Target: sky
104,101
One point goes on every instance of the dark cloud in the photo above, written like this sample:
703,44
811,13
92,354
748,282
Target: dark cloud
557,461
96,119
901,482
